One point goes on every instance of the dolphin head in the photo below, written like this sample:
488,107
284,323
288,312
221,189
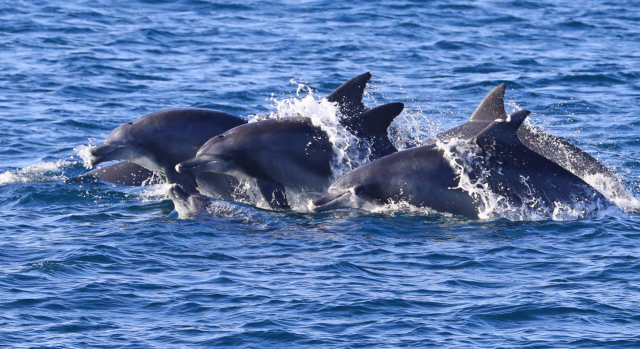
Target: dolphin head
123,144
333,200
341,197
205,163
187,205
216,155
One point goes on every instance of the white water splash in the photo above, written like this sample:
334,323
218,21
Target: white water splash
247,192
513,106
154,192
405,208
612,191
40,172
84,153
349,151
412,129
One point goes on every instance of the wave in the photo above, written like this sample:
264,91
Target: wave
40,172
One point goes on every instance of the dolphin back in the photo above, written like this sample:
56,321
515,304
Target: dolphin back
522,175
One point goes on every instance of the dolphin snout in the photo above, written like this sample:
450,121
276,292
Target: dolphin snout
190,165
103,153
203,164
177,193
332,201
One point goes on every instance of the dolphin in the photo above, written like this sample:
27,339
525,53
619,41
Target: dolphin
425,177
551,147
186,204
160,140
289,152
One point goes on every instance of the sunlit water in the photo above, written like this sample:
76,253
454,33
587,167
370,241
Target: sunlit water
97,265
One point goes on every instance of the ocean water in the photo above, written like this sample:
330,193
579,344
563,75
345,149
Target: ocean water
102,266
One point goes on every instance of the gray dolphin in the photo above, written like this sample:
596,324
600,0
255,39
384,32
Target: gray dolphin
160,140
551,147
424,177
288,152
188,205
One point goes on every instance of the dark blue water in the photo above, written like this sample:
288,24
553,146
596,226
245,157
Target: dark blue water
85,265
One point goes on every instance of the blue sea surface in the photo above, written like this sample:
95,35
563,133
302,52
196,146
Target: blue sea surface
87,265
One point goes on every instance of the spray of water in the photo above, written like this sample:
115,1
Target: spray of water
84,152
40,172
349,151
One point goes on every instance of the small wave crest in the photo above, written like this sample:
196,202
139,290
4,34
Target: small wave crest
240,214
404,208
154,192
40,172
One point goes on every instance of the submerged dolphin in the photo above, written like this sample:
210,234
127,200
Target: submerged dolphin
425,177
188,205
289,152
123,173
160,140
553,148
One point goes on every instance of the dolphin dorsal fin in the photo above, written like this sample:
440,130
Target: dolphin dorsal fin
492,106
503,131
373,122
349,95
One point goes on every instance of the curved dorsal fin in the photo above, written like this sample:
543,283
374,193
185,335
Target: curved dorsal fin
503,131
372,126
373,122
349,95
492,106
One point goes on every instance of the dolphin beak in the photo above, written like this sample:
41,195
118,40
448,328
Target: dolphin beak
332,201
201,164
176,193
103,153
192,166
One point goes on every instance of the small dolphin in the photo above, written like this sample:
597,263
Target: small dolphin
553,148
188,205
424,177
289,152
160,140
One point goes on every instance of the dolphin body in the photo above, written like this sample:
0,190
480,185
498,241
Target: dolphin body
123,173
424,177
551,147
160,140
289,152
